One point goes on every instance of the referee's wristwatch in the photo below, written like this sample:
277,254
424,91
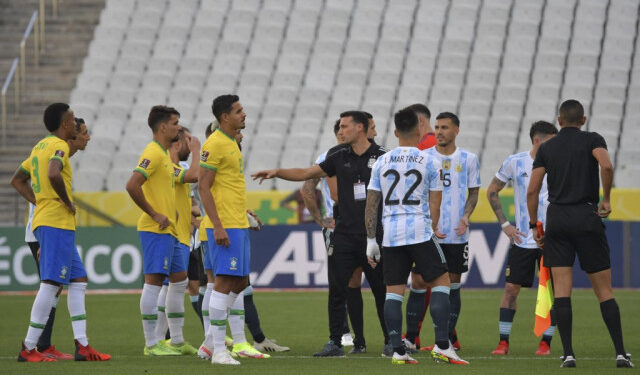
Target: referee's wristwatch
533,225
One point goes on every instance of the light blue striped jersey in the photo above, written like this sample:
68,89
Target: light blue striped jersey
517,168
404,176
458,172
324,189
28,232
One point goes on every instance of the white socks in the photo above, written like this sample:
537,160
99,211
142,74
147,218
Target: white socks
205,308
149,311
161,324
236,317
40,313
75,303
218,316
175,310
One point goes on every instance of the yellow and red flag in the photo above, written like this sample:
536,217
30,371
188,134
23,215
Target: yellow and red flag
544,301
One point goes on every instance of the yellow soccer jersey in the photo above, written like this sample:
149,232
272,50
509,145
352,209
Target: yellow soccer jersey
220,153
159,189
202,231
50,211
183,205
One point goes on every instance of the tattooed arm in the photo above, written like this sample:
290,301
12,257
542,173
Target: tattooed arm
492,194
308,192
371,212
469,206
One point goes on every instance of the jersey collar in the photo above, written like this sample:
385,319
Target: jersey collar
158,143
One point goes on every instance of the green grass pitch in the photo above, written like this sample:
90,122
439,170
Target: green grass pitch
299,320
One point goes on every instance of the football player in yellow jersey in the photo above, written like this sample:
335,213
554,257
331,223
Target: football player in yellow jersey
152,188
223,195
179,152
49,169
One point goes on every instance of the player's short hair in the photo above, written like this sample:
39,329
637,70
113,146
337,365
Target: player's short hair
358,117
223,104
571,111
79,123
184,128
542,127
160,113
450,116
369,115
406,120
336,127
53,115
420,109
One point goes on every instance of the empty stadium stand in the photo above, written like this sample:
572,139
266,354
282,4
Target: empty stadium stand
296,65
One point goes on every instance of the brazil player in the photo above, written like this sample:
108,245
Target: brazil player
49,169
44,343
409,182
524,252
223,195
179,152
460,175
152,188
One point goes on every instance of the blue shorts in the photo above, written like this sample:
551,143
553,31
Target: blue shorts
161,253
59,258
233,260
184,249
207,255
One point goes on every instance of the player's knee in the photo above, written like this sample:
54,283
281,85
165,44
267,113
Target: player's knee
455,277
511,290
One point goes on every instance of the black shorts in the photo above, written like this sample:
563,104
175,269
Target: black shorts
521,265
195,271
576,229
427,258
35,246
457,255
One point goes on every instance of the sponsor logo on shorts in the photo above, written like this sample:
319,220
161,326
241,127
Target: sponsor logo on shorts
204,155
144,163
234,264
63,272
166,263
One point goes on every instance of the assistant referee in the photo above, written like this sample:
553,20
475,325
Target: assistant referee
574,221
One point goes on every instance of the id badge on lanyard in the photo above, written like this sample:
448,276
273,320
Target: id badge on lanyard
359,191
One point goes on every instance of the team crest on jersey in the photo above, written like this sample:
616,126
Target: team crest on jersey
63,272
176,171
166,264
371,162
458,168
144,164
446,164
234,264
59,153
204,155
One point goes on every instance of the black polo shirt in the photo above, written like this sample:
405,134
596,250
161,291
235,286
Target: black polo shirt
350,169
572,171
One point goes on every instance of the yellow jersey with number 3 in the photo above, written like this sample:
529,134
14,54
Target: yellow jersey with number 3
50,211
159,188
183,205
220,153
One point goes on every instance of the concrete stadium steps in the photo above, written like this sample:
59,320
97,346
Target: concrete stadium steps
67,39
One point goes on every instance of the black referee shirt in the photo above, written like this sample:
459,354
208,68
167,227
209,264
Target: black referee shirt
572,171
350,169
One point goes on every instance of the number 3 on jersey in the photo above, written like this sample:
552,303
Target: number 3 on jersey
394,184
35,185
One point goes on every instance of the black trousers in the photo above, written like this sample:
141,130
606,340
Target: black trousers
349,253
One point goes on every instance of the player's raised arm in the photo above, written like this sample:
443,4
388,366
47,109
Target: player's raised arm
291,174
20,182
191,175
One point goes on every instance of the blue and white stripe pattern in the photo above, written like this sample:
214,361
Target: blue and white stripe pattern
324,188
517,168
28,232
505,328
459,171
404,176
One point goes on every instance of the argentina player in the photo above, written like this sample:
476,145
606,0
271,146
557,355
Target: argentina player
459,172
409,181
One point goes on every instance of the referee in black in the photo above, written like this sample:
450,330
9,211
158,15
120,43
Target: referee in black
574,221
351,163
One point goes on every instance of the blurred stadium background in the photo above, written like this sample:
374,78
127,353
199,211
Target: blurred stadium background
296,64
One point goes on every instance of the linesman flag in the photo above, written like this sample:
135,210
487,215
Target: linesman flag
544,300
